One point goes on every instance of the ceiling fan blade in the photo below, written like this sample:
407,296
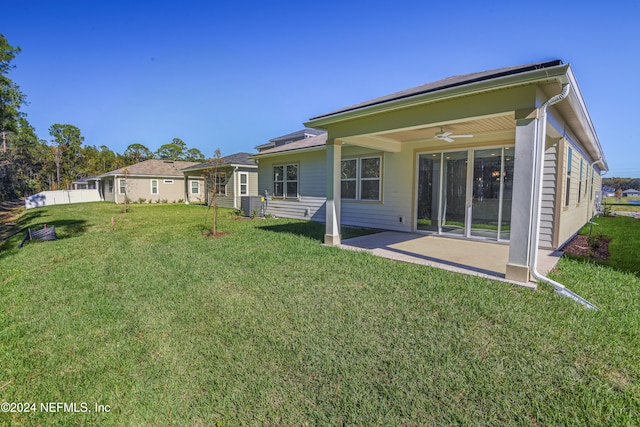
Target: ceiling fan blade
445,134
448,139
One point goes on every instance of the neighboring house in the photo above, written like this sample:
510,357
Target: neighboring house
84,184
151,180
289,138
608,191
470,157
631,193
236,177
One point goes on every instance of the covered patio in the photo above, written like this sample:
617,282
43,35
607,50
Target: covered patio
471,257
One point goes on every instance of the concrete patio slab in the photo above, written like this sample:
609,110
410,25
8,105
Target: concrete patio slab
459,255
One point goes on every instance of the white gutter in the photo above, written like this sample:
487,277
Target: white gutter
537,200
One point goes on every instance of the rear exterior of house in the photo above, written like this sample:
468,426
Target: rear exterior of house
151,181
235,177
462,157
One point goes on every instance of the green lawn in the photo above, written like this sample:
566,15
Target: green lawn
265,326
624,245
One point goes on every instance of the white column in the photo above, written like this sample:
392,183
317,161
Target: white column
334,154
522,202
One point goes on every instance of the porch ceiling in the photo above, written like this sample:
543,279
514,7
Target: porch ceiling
496,128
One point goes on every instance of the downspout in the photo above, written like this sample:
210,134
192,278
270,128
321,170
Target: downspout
537,201
589,218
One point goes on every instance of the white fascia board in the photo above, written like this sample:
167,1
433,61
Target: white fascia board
559,72
579,106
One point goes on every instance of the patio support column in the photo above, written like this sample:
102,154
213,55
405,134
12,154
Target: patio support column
186,189
522,202
334,155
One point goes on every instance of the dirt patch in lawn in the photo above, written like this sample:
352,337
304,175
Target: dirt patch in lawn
579,246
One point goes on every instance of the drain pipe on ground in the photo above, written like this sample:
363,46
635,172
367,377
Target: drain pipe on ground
537,201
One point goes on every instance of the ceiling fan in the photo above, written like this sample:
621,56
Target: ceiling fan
449,136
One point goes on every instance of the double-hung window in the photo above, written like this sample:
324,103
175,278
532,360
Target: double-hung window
360,179
220,185
154,186
195,187
122,186
567,196
285,181
244,183
349,179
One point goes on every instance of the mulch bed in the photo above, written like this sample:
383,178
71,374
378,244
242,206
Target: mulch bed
578,246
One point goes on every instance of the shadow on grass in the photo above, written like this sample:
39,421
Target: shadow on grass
316,230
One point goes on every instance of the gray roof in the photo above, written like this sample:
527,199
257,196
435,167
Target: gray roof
447,83
314,142
299,134
232,159
154,168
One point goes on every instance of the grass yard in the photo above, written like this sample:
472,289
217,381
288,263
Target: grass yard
625,241
265,326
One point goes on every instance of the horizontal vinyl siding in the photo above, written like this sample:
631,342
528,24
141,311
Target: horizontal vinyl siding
307,208
574,215
548,196
397,187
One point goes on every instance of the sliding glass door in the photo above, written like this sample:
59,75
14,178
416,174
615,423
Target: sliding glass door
456,198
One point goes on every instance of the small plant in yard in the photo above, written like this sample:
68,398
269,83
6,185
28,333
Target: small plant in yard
594,240
141,200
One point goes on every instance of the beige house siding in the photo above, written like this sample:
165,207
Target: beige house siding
549,194
580,207
171,189
108,189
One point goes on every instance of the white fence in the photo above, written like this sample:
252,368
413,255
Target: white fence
61,197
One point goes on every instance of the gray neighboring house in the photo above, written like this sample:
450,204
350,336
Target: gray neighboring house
631,193
152,180
236,177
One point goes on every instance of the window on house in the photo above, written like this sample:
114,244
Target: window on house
154,186
285,181
218,183
349,179
110,185
244,183
360,178
195,187
370,168
567,196
580,183
122,186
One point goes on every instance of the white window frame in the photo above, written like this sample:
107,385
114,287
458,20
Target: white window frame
243,189
197,186
286,181
354,179
360,179
167,181
110,185
220,183
122,183
567,196
157,186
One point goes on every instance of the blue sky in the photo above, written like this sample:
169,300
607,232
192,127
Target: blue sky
232,75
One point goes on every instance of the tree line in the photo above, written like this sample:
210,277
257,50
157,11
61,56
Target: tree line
622,183
29,164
